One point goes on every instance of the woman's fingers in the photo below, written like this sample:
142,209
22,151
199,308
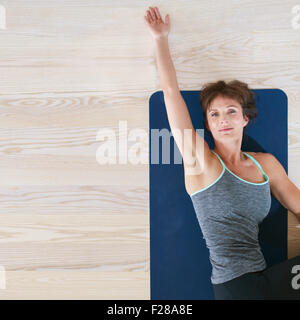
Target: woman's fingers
157,13
149,16
152,14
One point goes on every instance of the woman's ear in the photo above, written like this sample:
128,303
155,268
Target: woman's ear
246,118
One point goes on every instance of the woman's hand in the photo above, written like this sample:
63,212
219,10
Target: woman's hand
156,26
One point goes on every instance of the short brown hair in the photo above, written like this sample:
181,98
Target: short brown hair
234,89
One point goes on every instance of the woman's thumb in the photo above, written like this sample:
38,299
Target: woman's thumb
167,19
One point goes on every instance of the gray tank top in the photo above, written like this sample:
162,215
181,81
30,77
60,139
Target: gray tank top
229,212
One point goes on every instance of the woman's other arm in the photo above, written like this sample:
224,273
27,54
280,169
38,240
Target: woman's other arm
282,188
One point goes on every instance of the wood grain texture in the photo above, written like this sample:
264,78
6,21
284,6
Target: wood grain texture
71,228
82,285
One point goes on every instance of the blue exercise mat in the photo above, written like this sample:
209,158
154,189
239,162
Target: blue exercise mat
179,259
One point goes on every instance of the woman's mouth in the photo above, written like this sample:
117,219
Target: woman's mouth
227,129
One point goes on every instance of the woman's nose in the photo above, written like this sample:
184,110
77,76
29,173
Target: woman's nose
224,119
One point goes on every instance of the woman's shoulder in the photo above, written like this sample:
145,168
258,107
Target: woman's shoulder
264,156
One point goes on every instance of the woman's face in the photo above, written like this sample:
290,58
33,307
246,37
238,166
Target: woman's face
225,113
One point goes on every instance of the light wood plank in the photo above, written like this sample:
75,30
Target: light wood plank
82,285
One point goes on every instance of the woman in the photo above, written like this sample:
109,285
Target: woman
230,189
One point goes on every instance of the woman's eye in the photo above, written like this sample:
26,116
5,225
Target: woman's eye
231,111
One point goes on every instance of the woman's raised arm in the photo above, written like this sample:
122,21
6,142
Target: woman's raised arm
193,148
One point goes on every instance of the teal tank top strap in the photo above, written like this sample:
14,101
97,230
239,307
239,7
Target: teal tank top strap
223,164
248,155
256,162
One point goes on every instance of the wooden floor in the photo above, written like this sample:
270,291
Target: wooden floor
71,228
